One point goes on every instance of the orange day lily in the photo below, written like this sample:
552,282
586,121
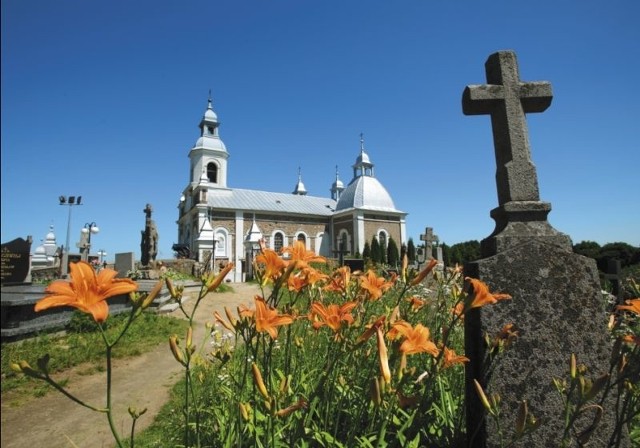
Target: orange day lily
374,286
301,256
268,319
632,305
340,280
332,315
481,295
273,265
451,358
416,339
87,290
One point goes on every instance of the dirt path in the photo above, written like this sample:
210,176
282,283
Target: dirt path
53,421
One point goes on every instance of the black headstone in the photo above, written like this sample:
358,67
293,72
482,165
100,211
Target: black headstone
16,262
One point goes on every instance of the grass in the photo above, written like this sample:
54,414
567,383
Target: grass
82,346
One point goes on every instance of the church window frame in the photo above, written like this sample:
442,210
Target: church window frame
221,235
278,241
343,242
212,172
302,236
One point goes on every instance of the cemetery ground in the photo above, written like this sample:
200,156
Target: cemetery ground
142,381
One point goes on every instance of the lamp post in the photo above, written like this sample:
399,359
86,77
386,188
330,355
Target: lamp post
87,230
102,254
69,201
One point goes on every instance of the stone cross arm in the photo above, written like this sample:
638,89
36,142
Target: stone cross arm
507,99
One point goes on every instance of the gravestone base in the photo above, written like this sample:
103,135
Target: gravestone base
558,309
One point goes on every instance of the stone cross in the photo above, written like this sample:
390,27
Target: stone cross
429,238
557,307
507,99
147,211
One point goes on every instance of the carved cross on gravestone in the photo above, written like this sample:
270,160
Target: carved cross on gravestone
507,99
429,238
556,293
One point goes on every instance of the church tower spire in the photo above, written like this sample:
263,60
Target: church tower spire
337,187
363,165
209,155
300,190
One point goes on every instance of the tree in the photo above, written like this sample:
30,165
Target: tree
392,253
589,249
366,252
462,253
411,251
376,255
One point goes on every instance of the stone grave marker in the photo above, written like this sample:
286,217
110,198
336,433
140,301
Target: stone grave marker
124,263
15,261
429,238
557,307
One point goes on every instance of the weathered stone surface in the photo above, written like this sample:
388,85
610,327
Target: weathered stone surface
558,310
557,306
507,99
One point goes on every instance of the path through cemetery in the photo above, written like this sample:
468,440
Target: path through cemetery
54,421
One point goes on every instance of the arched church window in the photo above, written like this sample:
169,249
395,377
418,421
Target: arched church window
382,239
210,129
278,241
344,242
302,238
212,172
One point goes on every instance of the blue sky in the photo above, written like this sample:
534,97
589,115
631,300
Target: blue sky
102,100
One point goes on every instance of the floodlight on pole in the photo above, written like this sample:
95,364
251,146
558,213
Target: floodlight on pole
87,231
68,201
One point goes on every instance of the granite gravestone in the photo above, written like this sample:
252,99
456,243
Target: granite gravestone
557,305
16,261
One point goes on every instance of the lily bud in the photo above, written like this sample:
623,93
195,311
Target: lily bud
214,281
573,366
257,378
483,397
244,411
422,275
383,356
376,397
152,295
189,341
597,386
177,353
521,420
172,290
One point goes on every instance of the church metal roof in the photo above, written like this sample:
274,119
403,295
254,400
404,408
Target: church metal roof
367,193
266,201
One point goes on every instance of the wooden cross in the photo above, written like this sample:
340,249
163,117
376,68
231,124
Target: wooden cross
507,99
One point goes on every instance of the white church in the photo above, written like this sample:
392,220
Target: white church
230,221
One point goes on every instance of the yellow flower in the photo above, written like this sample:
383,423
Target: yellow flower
301,256
87,290
268,319
332,315
374,286
632,305
416,339
481,295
